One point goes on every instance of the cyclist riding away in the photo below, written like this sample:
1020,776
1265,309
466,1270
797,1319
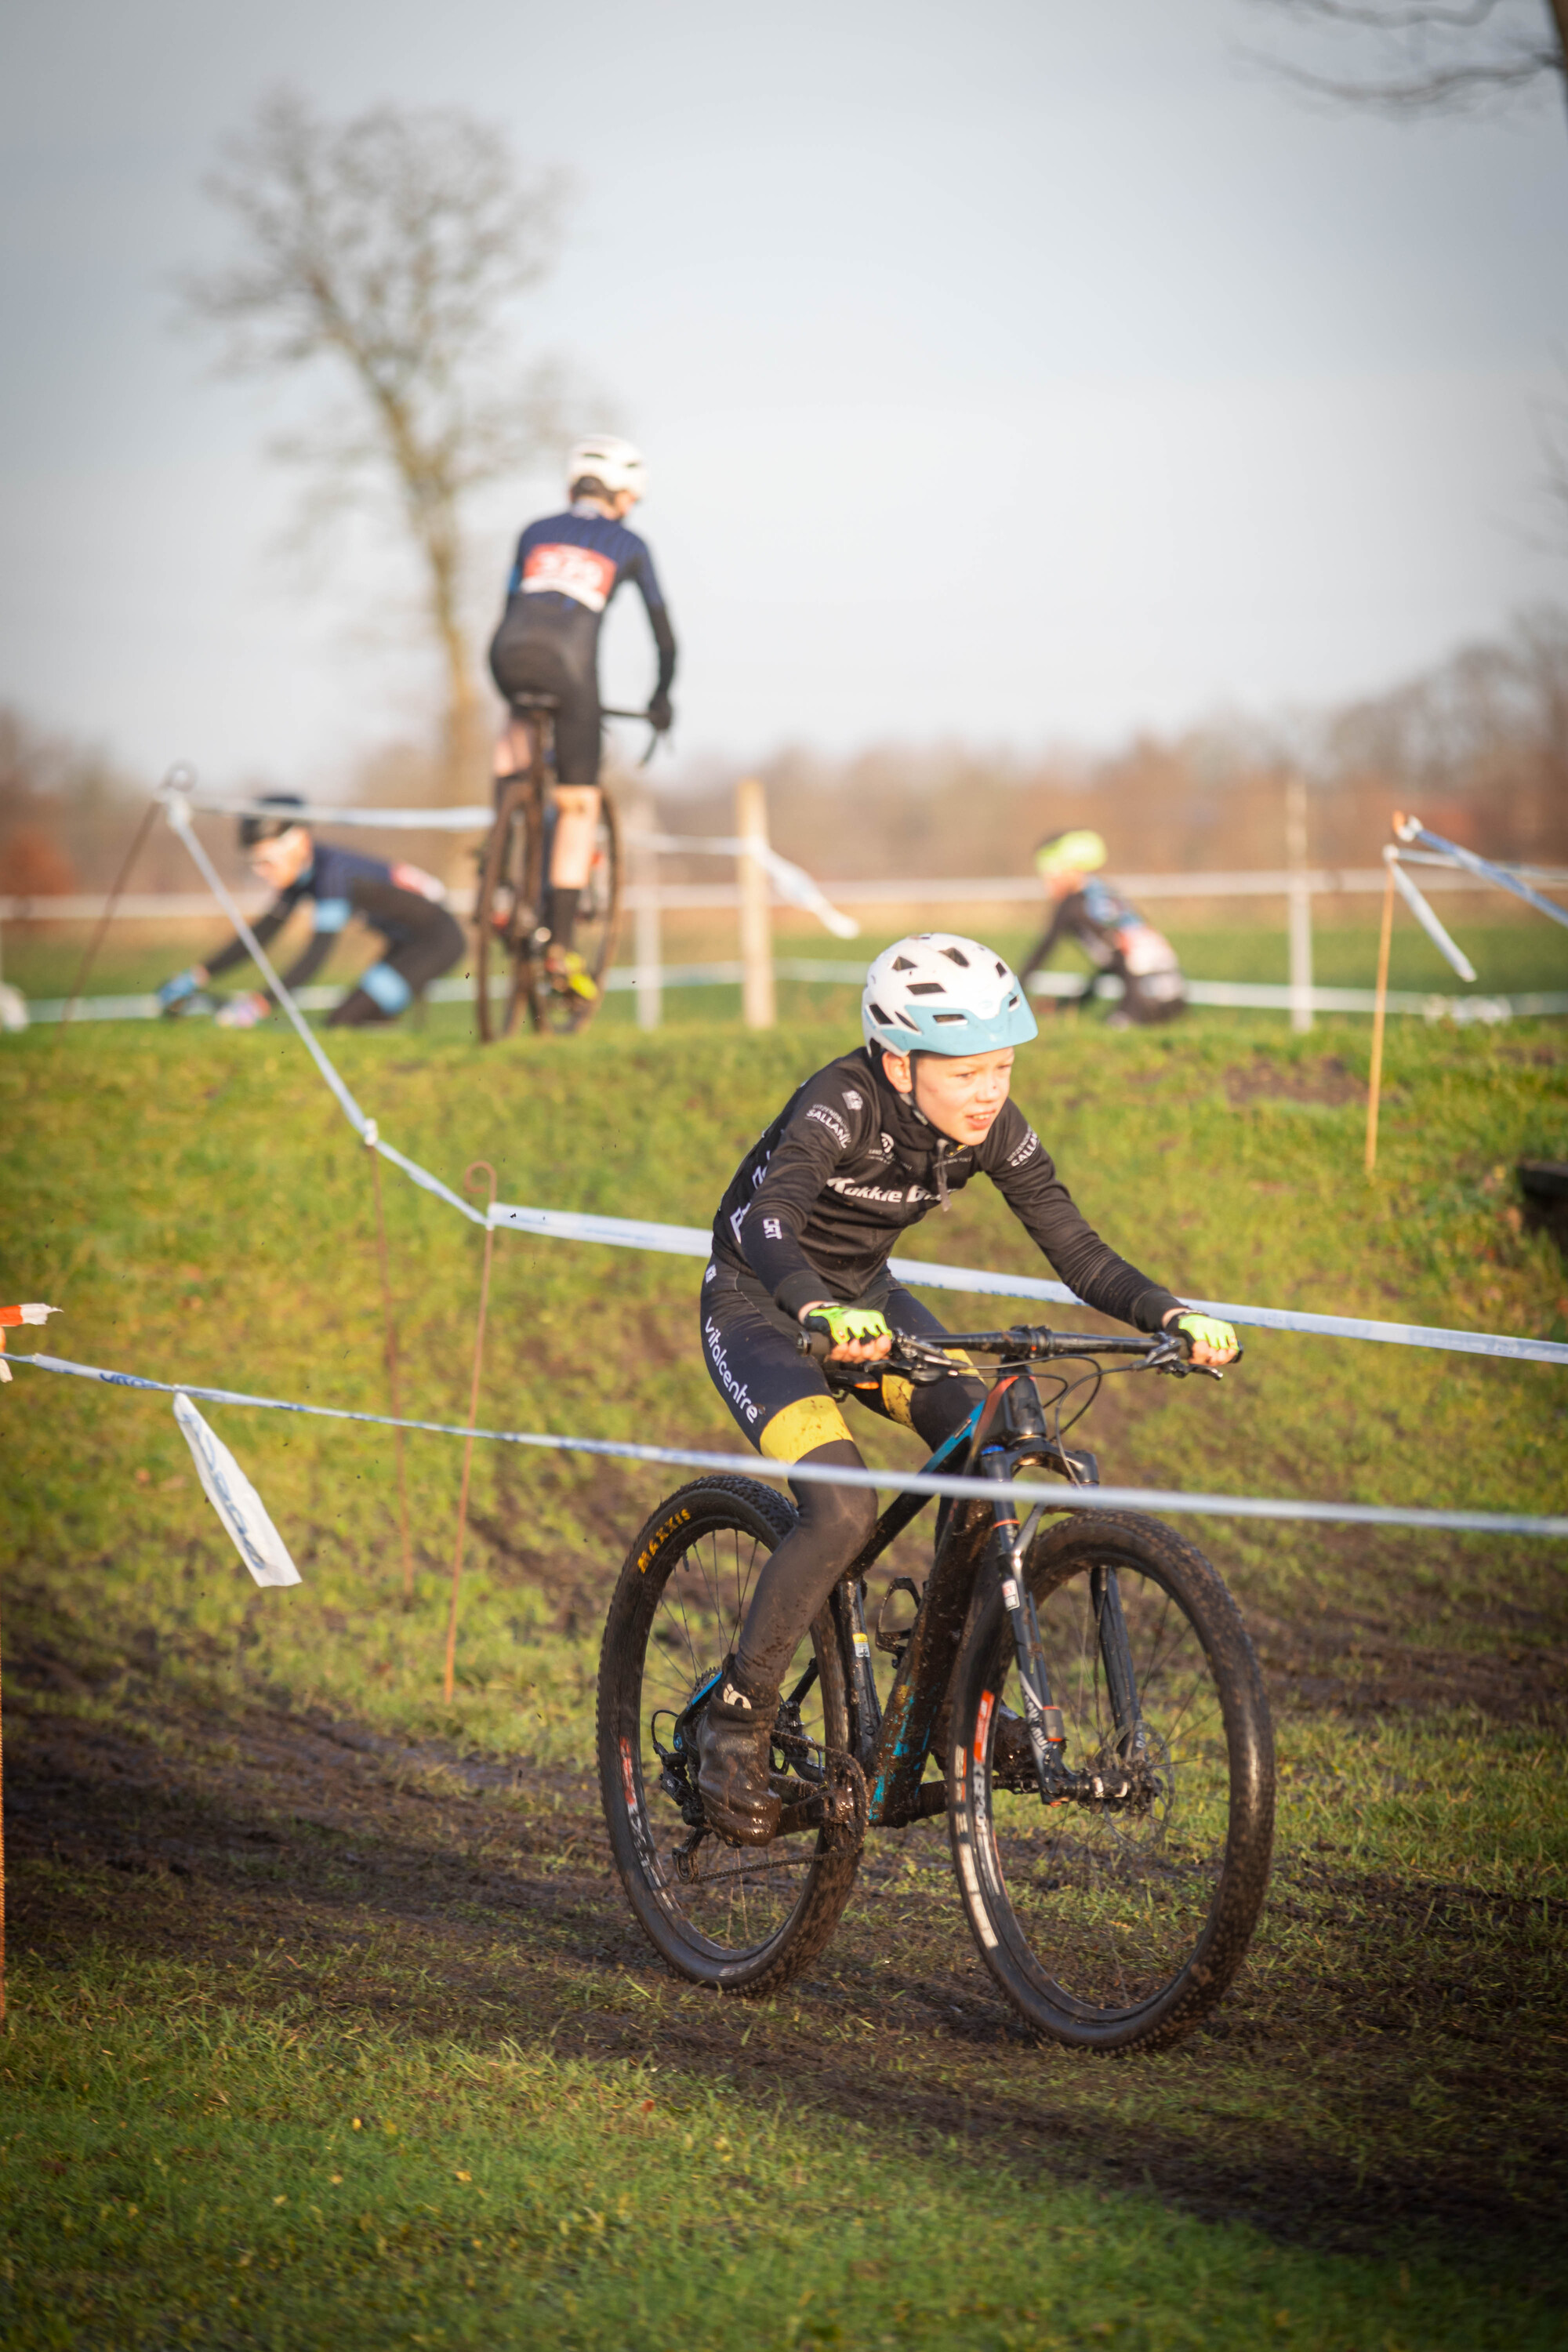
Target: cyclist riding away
401,902
860,1153
1113,934
567,568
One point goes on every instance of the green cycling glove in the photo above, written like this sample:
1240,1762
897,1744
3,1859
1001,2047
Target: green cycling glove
847,1327
1206,1330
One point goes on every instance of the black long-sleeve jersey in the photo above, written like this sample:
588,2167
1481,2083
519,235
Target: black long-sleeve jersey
566,569
815,1208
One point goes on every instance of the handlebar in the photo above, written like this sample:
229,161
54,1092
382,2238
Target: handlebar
521,703
1029,1343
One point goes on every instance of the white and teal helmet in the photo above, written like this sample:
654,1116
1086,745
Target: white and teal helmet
939,993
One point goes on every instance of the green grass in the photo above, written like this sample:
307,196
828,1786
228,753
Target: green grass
413,1931
231,2171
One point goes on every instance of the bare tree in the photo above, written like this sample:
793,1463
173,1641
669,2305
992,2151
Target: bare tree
1417,57
382,256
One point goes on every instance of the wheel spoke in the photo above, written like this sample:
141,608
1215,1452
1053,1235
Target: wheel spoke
711,1906
1098,1907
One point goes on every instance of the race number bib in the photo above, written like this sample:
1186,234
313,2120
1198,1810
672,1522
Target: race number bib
424,886
579,573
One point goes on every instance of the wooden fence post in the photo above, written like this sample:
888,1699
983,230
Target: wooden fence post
1379,1010
757,1005
1300,902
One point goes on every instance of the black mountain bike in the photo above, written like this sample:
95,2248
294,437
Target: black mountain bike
1084,1685
508,909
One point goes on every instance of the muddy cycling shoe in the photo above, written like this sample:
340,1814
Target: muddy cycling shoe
1011,1758
734,1744
569,976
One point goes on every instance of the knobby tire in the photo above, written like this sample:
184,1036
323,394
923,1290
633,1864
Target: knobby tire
752,1918
1107,1925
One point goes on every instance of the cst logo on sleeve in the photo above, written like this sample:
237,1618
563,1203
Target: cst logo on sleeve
774,1230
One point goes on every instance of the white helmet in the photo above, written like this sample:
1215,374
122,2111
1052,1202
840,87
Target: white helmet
940,994
606,458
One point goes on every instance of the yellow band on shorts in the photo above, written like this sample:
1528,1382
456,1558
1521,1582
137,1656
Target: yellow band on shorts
800,1428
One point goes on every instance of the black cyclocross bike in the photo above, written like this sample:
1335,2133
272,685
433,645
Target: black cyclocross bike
1084,1685
514,872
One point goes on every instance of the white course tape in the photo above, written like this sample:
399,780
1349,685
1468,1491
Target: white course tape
179,817
1072,1498
397,820
794,885
693,1241
245,1517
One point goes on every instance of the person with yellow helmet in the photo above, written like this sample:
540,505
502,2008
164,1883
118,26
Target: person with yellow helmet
1111,932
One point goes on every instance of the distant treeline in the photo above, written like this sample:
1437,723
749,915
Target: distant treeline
1477,746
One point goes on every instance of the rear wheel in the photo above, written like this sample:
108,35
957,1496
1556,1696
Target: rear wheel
1119,1917
743,1920
505,911
557,1007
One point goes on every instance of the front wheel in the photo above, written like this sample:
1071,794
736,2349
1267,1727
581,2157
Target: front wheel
1120,1916
743,1920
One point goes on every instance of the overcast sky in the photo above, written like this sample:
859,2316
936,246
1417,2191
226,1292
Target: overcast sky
1024,371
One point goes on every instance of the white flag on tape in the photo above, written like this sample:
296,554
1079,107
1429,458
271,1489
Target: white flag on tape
235,1501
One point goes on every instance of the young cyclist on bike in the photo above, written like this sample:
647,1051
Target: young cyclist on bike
860,1152
403,904
1111,933
567,568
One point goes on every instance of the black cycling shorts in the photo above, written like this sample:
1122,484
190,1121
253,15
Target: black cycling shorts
423,940
533,661
787,1404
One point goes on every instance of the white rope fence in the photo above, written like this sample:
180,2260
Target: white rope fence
1066,1498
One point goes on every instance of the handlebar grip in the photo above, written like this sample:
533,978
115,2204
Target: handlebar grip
814,1343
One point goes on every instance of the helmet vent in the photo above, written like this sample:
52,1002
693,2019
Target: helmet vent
880,1017
955,955
902,963
927,988
948,1016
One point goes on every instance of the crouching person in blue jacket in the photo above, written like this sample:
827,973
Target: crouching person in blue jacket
420,939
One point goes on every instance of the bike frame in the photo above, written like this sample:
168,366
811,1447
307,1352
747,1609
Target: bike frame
980,1541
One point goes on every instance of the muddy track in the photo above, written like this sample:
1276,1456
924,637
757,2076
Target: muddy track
453,1893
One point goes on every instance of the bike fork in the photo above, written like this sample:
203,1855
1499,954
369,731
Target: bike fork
1042,1716
1116,1654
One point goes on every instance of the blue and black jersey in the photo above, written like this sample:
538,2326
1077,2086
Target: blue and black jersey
566,569
400,902
1116,938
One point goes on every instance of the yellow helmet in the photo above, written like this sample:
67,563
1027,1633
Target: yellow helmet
1079,853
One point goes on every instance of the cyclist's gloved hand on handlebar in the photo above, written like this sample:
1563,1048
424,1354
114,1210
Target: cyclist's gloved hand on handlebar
1211,1342
859,1335
661,717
